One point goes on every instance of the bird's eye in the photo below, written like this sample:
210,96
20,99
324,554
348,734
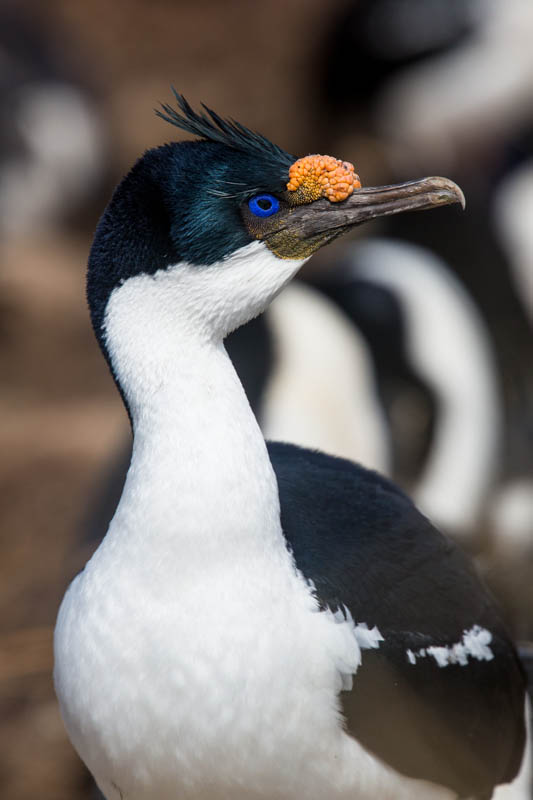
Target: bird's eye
263,205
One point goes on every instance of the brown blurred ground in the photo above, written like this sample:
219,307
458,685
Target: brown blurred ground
60,416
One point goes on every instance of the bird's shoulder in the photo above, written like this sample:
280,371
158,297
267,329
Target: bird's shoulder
452,716
356,530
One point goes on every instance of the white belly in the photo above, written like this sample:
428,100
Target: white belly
212,688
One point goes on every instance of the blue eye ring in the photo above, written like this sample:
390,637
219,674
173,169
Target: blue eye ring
263,205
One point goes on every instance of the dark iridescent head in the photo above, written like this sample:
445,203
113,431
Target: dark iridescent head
227,199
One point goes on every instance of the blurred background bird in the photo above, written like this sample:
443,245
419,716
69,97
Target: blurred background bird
408,348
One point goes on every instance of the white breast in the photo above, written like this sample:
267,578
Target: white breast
191,658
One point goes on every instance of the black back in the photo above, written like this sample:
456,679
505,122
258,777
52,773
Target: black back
365,546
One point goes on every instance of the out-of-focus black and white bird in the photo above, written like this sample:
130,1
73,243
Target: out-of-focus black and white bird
427,341
445,86
53,140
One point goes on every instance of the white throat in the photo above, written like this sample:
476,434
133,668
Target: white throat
200,473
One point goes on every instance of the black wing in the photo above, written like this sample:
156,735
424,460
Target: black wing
365,546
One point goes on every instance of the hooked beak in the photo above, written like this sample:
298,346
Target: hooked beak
331,219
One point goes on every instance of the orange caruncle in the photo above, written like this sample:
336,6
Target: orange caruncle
322,176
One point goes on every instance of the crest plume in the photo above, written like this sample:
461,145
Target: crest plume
214,128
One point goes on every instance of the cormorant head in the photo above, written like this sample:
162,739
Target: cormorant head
225,221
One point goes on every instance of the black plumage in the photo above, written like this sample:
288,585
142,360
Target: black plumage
365,546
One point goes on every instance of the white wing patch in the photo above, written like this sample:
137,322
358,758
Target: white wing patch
474,644
365,639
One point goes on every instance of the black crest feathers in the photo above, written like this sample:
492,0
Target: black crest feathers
214,128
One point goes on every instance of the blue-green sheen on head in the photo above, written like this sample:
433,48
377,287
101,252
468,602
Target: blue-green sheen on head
198,202
272,161
181,202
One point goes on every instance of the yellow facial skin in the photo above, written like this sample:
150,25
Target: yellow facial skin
281,232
